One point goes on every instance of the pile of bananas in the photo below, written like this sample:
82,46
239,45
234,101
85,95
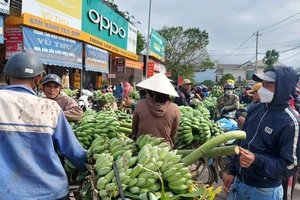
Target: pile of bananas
141,170
123,117
103,123
153,141
201,111
97,94
195,127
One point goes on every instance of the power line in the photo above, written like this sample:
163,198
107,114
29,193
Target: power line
289,49
280,27
247,54
290,57
242,50
279,22
238,47
266,45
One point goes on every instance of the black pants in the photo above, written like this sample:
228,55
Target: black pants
285,187
67,197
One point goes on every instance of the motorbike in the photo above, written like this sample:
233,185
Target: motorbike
227,123
84,100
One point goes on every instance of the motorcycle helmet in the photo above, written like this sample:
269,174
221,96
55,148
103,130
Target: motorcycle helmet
229,86
52,78
24,65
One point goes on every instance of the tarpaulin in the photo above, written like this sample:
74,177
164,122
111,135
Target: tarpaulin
53,49
96,59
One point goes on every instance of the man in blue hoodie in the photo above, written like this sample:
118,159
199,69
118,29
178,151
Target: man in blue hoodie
271,150
31,129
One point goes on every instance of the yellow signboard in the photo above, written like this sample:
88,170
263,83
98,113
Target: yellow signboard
66,12
56,28
69,7
77,80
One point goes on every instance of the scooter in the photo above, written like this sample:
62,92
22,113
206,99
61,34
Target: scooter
83,100
227,123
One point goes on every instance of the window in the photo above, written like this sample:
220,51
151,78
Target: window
249,74
220,71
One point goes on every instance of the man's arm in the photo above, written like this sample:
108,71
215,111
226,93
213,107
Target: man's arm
73,112
235,104
218,109
67,144
285,165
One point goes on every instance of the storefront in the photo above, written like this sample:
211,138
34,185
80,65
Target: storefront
69,39
4,10
126,70
96,65
157,54
56,52
118,37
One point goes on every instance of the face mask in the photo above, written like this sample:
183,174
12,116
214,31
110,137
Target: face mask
265,95
228,92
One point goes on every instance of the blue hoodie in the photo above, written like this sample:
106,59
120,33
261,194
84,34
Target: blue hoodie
272,135
30,129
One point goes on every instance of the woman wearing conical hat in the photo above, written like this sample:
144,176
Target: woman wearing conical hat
157,115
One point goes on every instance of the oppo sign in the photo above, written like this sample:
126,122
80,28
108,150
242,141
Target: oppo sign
104,23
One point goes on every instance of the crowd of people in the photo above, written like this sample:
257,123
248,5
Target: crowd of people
34,129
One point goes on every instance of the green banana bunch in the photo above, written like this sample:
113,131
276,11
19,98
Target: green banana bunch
139,173
185,134
204,131
148,139
121,146
147,196
99,145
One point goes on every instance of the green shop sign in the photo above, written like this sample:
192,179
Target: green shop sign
157,45
102,22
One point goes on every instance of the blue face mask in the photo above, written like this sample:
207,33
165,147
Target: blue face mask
295,96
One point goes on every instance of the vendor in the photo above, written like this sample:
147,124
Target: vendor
52,88
157,115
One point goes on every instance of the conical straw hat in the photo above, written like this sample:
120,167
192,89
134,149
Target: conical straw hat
159,83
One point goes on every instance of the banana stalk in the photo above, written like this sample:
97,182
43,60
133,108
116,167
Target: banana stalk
215,152
214,142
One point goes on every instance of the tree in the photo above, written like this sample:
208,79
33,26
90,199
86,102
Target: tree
270,58
140,43
185,51
208,83
225,77
140,46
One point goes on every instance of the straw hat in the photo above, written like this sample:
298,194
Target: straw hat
159,83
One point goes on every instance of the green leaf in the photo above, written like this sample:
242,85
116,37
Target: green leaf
85,188
202,192
128,194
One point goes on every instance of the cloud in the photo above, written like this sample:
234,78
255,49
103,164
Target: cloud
228,22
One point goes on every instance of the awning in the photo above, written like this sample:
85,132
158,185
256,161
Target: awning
53,49
1,30
96,59
134,64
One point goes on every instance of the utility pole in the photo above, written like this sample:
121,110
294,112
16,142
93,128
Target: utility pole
148,40
256,52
